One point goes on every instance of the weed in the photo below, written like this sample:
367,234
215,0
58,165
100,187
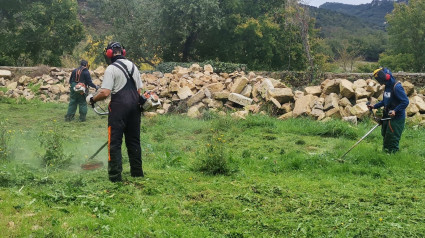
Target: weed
51,139
5,137
40,70
213,156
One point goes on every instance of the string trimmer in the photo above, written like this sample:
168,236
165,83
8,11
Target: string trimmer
148,101
378,120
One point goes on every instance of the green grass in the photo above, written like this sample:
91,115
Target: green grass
284,180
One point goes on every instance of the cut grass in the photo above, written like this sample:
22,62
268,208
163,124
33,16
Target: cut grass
285,182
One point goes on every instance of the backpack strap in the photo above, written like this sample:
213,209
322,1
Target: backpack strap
398,82
78,74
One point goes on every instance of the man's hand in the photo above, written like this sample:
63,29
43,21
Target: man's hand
369,106
391,113
89,100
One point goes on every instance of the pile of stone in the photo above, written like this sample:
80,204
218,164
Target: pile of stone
196,89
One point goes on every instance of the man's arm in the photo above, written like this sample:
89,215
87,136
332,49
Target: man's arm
102,95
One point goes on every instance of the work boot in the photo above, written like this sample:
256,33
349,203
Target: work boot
115,178
69,117
82,118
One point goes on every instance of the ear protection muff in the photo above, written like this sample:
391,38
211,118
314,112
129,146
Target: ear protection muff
109,52
381,76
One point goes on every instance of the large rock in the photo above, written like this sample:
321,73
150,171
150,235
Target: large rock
313,90
344,102
419,103
24,80
55,89
7,74
330,86
265,86
283,95
360,110
240,115
239,84
174,86
12,85
64,98
215,87
412,109
99,71
221,95
346,88
196,98
208,68
331,101
360,83
184,92
194,111
240,99
408,87
247,91
362,93
302,106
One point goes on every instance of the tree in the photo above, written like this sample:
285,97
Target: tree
38,32
407,34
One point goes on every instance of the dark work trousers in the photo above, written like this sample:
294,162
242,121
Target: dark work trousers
391,132
124,119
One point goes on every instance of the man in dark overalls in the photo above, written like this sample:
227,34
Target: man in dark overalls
81,77
122,81
394,102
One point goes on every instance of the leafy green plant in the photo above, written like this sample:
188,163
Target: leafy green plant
51,139
5,137
213,157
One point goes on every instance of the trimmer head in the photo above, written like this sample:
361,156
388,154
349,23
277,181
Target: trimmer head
92,165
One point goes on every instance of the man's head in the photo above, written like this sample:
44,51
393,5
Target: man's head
114,48
84,63
382,75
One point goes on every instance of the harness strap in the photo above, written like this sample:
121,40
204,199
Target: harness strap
78,74
120,65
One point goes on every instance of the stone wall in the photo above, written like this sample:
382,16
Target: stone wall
197,89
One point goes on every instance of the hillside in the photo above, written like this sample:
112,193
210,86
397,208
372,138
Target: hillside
373,12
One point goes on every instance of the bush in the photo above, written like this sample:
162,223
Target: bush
40,71
212,159
219,67
5,137
51,140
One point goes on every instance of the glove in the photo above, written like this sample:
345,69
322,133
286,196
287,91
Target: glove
97,88
369,106
391,113
89,100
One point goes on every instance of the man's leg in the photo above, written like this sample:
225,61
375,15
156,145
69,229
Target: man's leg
394,129
82,108
72,108
115,133
132,141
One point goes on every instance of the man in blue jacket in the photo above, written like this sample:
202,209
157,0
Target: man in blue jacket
80,77
394,102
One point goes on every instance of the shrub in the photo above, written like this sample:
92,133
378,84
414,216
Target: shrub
51,140
213,157
40,71
5,137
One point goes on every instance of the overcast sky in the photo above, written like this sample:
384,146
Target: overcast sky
317,3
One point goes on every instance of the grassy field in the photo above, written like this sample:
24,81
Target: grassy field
275,179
